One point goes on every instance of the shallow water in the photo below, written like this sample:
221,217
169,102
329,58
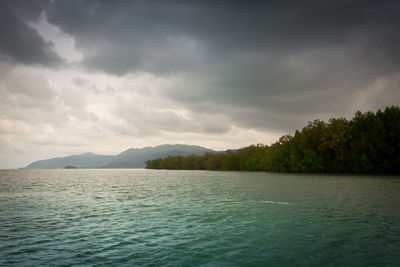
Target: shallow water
187,218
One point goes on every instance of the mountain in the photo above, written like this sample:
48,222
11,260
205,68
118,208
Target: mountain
131,158
88,160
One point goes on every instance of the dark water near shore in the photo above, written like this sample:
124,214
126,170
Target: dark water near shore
188,218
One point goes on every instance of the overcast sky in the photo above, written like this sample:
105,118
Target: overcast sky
105,76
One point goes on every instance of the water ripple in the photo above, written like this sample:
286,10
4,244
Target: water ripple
189,218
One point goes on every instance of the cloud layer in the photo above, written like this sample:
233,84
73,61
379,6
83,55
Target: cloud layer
78,75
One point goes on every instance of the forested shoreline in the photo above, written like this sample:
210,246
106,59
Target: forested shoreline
368,143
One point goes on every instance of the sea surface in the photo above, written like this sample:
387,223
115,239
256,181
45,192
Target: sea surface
137,217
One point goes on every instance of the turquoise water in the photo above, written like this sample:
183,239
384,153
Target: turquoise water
190,218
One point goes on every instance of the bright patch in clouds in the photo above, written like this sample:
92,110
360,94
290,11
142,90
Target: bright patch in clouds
63,43
57,112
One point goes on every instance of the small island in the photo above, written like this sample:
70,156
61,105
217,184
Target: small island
70,167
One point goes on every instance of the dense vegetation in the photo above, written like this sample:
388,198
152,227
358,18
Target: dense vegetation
369,143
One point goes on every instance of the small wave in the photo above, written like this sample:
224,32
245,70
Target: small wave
277,202
227,200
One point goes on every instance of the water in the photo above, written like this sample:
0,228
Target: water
189,218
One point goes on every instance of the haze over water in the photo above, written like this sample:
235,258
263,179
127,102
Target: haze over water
146,217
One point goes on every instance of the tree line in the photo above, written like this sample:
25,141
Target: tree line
368,143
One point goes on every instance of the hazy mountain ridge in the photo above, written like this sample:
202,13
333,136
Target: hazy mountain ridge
130,158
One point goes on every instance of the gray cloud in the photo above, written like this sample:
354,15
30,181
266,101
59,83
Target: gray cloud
122,36
178,69
275,57
19,41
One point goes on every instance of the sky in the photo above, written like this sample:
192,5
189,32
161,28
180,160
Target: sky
103,76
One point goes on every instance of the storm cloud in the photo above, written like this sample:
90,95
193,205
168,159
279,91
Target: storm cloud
202,71
277,56
19,41
124,36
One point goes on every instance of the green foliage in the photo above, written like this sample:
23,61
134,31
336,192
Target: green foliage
369,143
311,162
334,144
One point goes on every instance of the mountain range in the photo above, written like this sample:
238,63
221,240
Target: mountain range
131,158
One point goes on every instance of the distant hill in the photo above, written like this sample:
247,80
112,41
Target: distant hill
131,158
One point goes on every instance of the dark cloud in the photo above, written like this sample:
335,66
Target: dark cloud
121,36
20,42
269,63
